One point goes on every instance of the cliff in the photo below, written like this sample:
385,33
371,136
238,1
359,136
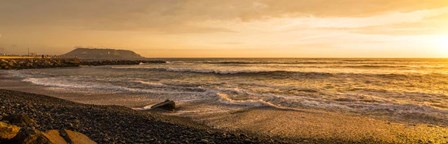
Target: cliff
102,54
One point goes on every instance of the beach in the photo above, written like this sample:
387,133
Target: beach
218,72
227,112
115,124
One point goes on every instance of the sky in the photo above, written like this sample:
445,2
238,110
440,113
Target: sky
229,28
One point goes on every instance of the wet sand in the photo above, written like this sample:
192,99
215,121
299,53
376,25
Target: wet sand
306,124
314,124
114,124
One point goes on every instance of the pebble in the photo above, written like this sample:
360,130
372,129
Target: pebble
111,124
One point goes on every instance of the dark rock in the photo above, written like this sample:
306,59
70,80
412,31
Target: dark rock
7,132
31,136
166,105
68,136
37,63
78,138
55,136
20,120
27,135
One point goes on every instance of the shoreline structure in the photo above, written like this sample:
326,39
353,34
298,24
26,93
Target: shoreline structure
37,63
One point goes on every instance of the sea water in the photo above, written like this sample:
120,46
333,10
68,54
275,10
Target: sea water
392,87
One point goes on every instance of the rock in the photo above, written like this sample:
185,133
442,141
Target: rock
31,136
38,63
78,138
7,132
27,135
20,120
68,136
55,137
205,141
63,62
166,105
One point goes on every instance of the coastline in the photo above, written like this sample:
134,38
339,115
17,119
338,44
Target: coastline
10,63
114,124
314,126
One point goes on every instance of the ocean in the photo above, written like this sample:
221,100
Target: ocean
395,88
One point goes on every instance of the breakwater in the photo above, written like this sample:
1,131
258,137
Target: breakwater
37,63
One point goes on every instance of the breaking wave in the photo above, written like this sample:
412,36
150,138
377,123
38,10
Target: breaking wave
227,72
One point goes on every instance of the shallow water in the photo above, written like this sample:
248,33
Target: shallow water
392,87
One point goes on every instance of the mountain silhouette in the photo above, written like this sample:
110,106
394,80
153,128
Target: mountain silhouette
102,54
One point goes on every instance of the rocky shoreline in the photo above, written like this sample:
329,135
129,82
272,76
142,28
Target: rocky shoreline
114,124
34,63
20,129
37,63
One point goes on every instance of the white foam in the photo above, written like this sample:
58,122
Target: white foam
148,83
53,82
199,70
88,87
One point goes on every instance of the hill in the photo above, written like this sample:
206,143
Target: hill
102,54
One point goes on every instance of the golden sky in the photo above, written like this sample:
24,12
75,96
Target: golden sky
229,28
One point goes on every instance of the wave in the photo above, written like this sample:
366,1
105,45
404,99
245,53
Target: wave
399,110
171,87
224,98
286,73
61,83
91,87
376,66
319,64
227,72
271,62
294,102
299,61
152,84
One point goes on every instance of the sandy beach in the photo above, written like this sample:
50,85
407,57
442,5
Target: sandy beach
299,125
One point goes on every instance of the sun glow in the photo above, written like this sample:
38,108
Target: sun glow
442,43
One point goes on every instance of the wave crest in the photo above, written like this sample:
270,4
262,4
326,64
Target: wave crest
230,72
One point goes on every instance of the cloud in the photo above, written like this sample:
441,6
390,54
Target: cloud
162,15
300,23
221,24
